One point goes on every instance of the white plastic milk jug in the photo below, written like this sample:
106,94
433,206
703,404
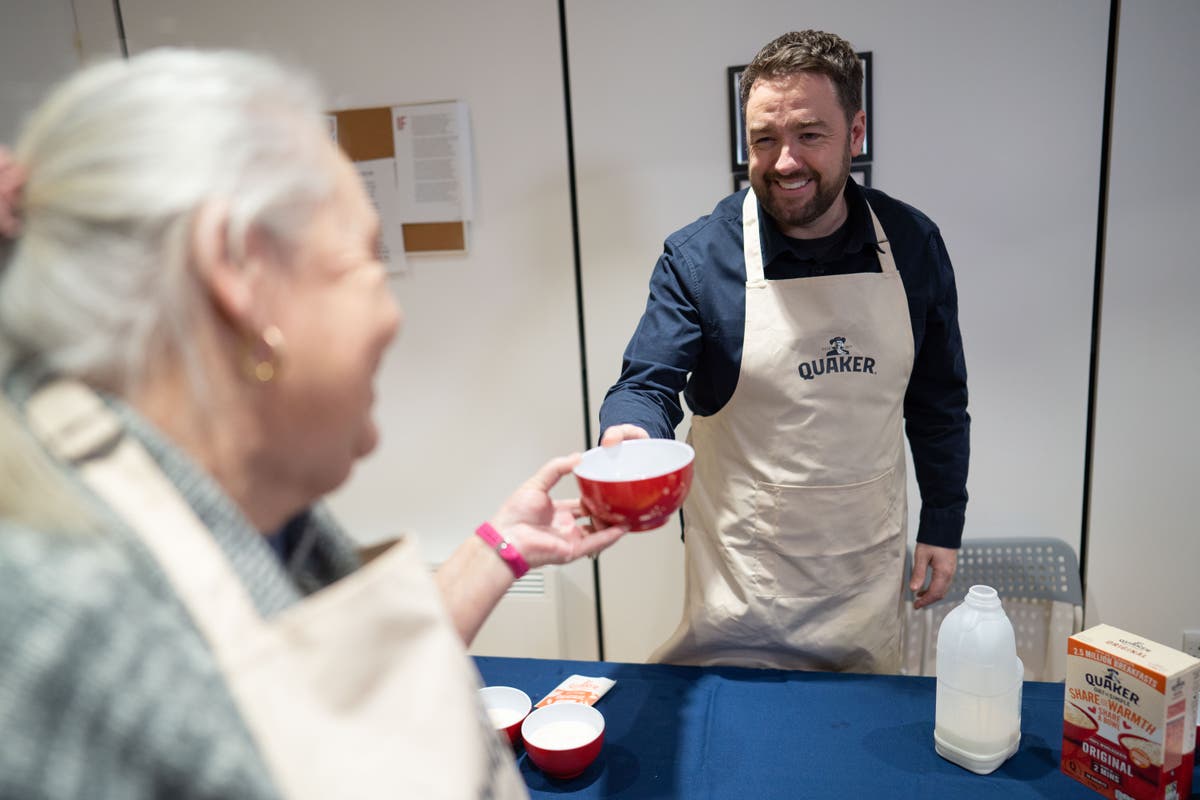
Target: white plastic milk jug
978,711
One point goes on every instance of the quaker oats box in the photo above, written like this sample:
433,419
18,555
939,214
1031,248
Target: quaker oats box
1129,715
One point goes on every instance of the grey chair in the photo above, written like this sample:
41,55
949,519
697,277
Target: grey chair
1039,586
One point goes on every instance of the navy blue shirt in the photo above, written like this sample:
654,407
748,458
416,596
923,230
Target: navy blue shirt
689,339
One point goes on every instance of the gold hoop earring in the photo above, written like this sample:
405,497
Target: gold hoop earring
263,357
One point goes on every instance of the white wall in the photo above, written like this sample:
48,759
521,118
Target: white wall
986,116
36,49
1144,546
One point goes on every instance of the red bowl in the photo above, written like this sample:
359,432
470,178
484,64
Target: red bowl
639,482
507,707
1078,723
1145,755
563,739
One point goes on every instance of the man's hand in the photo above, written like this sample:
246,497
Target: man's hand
619,433
943,561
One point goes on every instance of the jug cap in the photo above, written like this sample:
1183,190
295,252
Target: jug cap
982,596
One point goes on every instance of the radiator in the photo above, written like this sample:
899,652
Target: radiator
527,622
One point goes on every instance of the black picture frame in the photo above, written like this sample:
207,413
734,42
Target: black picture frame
861,173
741,180
868,148
739,158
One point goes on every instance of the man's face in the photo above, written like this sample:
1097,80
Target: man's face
800,149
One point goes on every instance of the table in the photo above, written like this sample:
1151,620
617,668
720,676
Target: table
730,733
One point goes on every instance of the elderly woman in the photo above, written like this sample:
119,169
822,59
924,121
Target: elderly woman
191,316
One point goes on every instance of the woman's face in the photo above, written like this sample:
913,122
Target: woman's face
337,315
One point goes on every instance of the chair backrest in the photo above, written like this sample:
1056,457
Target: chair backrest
1039,586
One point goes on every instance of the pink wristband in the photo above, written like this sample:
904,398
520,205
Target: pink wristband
516,562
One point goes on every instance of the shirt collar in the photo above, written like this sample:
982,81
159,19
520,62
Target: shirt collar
855,233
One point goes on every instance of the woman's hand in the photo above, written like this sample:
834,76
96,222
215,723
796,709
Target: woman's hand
547,531
544,531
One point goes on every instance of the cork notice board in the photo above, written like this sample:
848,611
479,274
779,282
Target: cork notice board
373,134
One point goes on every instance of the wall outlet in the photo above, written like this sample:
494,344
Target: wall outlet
1191,642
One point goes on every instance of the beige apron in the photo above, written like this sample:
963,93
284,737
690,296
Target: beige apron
362,690
796,521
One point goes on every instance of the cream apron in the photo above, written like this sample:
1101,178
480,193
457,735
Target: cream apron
796,520
362,690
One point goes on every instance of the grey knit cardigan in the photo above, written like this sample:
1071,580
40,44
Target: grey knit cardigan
107,688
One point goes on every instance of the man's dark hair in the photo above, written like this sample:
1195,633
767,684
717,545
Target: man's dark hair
809,51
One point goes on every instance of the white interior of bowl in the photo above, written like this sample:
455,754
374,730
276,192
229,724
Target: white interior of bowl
505,705
1152,750
562,726
635,459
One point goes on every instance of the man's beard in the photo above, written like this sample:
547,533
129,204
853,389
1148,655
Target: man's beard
789,215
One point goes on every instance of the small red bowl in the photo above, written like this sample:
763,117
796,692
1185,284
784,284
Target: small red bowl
507,707
1144,754
639,482
1078,723
563,739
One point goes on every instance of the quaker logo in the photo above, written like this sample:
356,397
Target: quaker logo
838,347
1110,681
838,356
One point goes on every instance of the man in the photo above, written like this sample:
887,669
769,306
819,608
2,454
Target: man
809,323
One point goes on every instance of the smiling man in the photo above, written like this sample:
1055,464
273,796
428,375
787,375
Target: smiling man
809,324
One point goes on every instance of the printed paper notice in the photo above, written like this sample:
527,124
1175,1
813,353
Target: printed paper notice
433,162
379,178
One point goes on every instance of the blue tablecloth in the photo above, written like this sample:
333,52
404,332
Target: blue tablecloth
727,734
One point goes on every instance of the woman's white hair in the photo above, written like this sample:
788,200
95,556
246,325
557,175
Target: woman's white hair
120,158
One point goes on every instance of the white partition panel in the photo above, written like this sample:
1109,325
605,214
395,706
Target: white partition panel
483,385
1143,566
37,49
986,116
